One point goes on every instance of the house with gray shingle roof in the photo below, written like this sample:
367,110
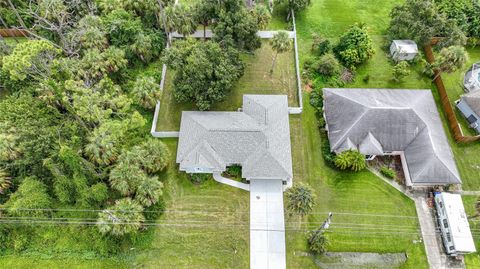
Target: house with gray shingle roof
392,122
469,103
256,138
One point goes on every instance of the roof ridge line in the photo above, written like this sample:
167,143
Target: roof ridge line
351,127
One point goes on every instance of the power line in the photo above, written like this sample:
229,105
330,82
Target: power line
194,211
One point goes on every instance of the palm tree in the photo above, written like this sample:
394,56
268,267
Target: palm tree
148,191
155,155
125,217
169,18
146,91
280,43
184,21
8,146
124,178
450,60
317,242
101,148
350,159
5,182
300,199
262,15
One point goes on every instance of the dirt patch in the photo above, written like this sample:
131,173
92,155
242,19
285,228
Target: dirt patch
334,260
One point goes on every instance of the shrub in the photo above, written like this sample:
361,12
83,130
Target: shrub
316,99
328,65
355,46
31,194
350,159
327,154
199,178
366,78
321,45
317,242
400,71
387,172
234,171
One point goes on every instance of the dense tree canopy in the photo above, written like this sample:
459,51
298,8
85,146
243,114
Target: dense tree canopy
421,20
205,72
31,194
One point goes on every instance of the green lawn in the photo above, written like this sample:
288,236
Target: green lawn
25,262
454,84
473,260
360,196
214,221
257,79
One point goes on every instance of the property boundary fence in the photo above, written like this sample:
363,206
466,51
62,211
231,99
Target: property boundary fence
446,104
261,34
13,33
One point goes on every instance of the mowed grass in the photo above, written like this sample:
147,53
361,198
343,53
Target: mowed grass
454,85
467,156
472,260
25,262
369,215
256,80
330,18
206,225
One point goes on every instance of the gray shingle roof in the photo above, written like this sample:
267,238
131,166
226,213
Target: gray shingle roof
393,120
473,100
257,138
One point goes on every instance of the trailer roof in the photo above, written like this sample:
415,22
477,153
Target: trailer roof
457,219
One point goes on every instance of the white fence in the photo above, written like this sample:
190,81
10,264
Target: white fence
209,34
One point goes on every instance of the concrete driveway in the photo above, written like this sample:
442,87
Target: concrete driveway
267,224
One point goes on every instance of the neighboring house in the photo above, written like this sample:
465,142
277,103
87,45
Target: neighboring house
256,138
392,122
471,81
453,222
469,105
403,50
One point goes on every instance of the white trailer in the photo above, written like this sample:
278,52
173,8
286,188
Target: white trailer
453,222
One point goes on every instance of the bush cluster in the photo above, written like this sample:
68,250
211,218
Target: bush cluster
387,172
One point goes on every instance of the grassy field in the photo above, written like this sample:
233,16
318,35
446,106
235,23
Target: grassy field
26,262
257,79
213,225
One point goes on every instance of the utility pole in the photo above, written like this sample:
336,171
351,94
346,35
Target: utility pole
327,222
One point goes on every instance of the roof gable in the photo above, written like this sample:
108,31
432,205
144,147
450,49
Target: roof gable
398,120
258,138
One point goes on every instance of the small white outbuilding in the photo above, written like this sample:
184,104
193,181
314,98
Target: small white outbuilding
403,50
